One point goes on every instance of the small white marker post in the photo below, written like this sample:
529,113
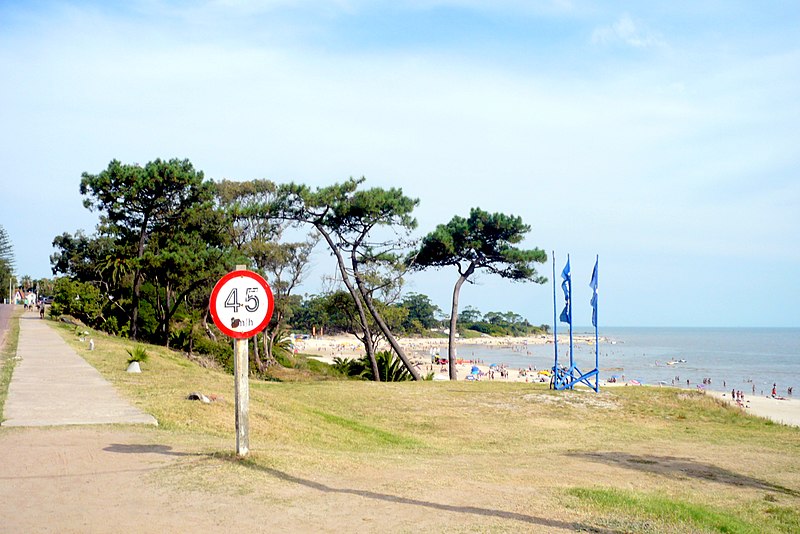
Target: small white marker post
241,305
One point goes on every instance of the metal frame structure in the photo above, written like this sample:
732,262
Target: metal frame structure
564,377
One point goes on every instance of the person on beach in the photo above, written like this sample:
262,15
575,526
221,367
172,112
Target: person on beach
774,391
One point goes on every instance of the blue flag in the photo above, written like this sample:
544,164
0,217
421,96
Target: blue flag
593,285
566,285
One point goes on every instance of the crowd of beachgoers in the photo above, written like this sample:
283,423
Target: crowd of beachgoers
430,355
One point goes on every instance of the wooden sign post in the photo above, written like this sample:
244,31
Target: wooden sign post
241,305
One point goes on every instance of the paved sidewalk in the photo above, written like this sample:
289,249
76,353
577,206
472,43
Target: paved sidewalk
53,385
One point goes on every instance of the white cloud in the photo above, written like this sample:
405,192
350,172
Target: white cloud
628,32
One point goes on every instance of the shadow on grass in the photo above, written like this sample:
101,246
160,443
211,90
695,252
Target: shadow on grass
676,467
472,510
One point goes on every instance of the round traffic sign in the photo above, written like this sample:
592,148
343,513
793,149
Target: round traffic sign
241,304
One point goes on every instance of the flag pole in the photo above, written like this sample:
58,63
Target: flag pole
555,320
571,361
596,337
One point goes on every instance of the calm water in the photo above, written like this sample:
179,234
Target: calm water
731,357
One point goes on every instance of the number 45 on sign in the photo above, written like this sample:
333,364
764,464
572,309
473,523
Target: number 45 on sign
241,304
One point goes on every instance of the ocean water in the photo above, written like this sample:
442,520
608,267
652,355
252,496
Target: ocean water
746,359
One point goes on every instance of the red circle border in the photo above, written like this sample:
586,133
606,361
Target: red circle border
223,327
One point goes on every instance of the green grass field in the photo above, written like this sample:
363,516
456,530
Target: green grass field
513,456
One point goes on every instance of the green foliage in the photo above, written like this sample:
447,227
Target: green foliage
81,300
220,351
163,230
6,261
483,241
348,220
137,354
390,367
421,313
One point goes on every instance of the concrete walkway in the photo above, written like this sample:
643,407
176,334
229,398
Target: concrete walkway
52,385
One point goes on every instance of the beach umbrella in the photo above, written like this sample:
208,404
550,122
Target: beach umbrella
493,365
475,370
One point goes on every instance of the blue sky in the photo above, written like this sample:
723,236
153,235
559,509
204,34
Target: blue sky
661,137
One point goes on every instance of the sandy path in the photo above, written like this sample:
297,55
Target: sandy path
117,479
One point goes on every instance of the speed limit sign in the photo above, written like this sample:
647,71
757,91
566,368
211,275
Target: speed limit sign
241,304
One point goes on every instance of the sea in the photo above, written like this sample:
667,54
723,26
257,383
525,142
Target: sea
721,359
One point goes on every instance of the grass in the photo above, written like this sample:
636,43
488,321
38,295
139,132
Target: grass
8,351
656,512
507,454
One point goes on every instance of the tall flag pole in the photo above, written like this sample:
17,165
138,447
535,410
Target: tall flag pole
555,319
566,314
593,302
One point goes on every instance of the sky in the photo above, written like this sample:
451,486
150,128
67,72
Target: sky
660,137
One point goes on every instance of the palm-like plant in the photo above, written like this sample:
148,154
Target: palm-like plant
390,367
137,354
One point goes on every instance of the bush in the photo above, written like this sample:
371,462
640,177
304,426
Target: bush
390,367
220,352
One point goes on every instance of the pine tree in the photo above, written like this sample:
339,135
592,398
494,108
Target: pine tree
6,259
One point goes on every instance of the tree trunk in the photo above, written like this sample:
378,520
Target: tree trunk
167,316
451,347
137,278
257,356
357,299
391,339
387,333
209,332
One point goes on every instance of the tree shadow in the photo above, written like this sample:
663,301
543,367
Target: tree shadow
396,499
165,450
677,467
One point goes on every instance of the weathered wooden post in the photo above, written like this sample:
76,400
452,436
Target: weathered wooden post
241,305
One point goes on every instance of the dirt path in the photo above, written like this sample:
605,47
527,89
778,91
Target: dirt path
89,479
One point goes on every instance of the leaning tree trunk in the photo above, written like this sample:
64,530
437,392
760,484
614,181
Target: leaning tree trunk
391,339
387,333
362,315
451,347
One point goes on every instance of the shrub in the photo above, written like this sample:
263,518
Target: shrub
138,354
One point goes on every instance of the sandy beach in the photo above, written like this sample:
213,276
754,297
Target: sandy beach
420,351
780,409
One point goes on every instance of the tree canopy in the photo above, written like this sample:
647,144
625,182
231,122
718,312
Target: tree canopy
6,259
481,241
166,234
143,209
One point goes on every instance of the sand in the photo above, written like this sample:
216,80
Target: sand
781,410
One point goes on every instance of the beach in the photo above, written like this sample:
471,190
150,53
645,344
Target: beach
780,409
423,351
